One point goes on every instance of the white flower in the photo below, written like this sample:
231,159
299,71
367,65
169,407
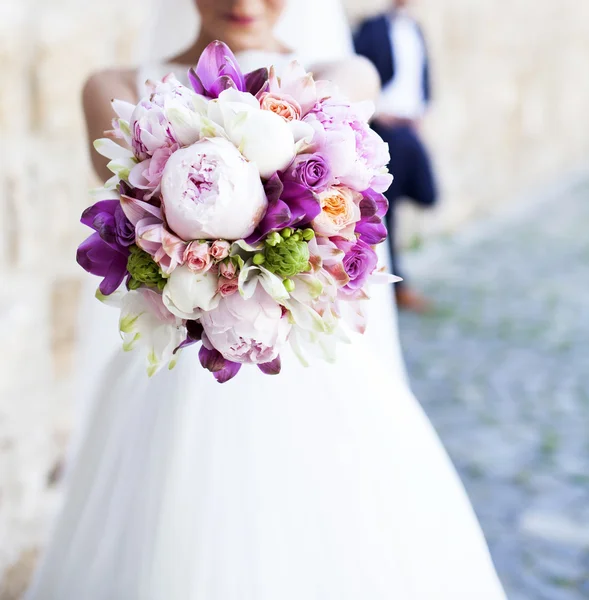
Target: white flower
187,293
252,330
145,321
210,191
262,136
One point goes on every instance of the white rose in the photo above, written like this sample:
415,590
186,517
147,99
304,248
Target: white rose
210,191
187,293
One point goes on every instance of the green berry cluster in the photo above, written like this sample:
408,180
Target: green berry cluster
286,254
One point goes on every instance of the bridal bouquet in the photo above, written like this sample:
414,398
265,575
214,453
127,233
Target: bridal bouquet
242,214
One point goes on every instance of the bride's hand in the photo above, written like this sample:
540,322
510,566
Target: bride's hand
355,76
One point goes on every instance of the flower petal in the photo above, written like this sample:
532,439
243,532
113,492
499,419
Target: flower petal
135,210
123,109
211,359
256,81
110,149
272,367
229,371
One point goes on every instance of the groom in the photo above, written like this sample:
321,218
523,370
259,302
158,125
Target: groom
395,44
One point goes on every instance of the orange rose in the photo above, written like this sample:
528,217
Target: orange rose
284,106
340,211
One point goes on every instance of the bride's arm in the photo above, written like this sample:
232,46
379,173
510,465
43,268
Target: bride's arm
98,92
355,76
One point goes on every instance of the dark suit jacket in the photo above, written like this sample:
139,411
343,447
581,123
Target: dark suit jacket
373,41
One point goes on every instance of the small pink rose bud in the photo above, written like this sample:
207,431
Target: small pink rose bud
197,257
228,269
220,249
226,287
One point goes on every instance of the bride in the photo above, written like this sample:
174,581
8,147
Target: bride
326,483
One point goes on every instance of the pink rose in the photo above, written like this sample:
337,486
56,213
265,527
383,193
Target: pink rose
282,105
226,287
220,249
197,257
228,269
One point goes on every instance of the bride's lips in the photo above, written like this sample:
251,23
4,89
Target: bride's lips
242,20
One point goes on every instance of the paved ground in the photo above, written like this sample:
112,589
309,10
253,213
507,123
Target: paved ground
501,368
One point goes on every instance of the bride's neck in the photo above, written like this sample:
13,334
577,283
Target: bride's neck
191,55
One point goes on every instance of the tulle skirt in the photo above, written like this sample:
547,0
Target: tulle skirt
322,483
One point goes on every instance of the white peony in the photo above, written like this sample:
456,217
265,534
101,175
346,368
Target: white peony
210,191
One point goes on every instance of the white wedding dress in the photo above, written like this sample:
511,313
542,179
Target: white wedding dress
322,483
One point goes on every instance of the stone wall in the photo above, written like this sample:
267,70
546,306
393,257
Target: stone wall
510,115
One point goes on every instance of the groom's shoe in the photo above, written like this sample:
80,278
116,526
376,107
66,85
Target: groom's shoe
407,299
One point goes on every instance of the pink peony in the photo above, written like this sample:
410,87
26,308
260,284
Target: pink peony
357,154
247,331
150,129
147,175
197,257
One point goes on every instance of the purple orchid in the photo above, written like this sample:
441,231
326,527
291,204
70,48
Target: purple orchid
373,208
289,204
217,70
105,252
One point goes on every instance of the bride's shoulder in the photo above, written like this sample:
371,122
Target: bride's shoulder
108,84
355,75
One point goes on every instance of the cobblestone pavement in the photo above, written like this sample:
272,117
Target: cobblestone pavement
501,368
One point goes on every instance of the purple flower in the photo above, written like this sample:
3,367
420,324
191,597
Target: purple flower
271,368
289,204
105,252
108,219
194,332
359,262
222,369
256,82
217,70
373,208
100,258
310,170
